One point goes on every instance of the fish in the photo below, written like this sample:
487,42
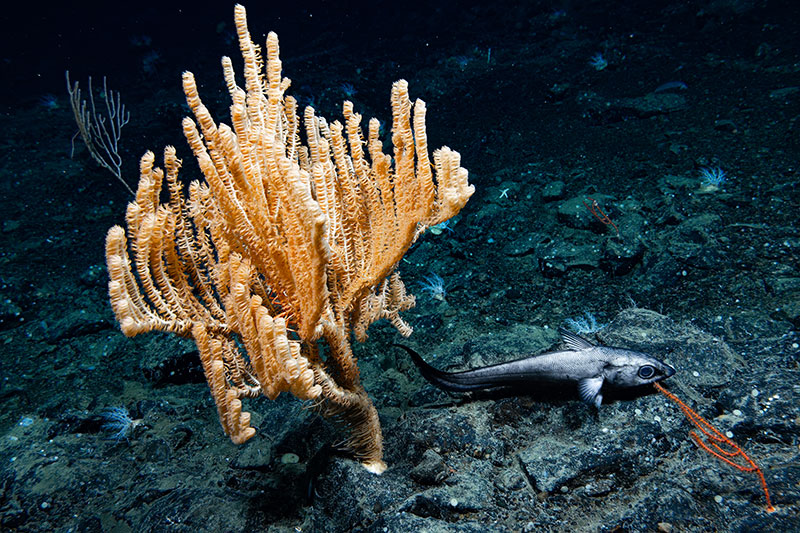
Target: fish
589,366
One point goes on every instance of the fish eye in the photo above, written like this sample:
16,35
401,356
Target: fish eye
646,372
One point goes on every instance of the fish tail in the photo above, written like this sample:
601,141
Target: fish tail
449,381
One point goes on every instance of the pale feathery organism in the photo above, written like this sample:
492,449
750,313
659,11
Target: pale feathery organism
712,179
598,62
285,243
119,422
437,229
348,90
100,130
49,102
584,325
433,285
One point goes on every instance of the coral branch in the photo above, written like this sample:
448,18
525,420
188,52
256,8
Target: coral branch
284,244
714,442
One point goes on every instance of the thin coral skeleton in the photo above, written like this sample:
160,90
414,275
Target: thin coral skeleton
718,445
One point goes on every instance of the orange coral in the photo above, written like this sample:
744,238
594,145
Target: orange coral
718,445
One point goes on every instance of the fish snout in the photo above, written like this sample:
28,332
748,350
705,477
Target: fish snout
668,371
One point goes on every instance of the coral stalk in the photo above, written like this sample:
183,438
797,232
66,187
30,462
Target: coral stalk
718,445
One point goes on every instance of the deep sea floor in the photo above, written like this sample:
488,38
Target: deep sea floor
552,110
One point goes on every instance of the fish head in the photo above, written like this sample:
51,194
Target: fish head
629,368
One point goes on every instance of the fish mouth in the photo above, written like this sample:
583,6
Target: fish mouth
668,371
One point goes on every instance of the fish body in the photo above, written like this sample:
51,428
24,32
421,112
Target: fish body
582,363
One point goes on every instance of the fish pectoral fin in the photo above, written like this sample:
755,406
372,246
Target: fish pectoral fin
589,390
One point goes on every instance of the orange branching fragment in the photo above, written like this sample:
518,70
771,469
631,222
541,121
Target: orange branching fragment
718,445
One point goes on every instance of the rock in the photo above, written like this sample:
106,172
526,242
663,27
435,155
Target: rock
620,257
256,454
576,212
10,313
404,522
557,257
196,510
551,463
553,191
465,493
608,110
700,359
431,470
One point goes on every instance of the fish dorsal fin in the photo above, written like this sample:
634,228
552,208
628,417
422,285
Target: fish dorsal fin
574,341
589,390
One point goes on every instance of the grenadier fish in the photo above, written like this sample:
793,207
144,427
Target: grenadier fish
588,365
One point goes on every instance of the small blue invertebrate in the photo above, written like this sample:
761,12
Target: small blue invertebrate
119,421
434,286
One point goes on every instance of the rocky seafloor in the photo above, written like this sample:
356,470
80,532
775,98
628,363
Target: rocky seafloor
705,276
